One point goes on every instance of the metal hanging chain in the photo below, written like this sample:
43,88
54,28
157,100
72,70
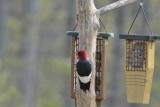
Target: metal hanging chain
141,7
75,24
100,21
146,18
134,20
75,27
103,25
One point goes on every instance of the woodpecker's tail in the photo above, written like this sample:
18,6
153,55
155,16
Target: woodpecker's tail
84,86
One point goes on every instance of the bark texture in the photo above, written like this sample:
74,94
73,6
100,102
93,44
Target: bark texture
115,5
88,25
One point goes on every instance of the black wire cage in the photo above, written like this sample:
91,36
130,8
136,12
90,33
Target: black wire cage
101,55
139,65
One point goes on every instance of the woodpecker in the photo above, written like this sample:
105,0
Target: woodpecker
84,70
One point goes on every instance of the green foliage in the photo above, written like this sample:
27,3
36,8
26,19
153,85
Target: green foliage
49,99
61,65
9,94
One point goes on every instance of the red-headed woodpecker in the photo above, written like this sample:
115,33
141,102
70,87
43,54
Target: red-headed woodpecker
84,70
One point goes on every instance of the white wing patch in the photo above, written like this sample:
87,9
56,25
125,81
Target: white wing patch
85,79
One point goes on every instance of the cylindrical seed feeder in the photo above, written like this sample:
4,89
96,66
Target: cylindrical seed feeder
100,78
139,65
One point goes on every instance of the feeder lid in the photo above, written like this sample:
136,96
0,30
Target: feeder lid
100,34
138,37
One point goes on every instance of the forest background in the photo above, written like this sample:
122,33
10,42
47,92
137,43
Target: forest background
35,51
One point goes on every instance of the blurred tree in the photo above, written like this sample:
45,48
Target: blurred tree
3,16
117,67
31,52
71,23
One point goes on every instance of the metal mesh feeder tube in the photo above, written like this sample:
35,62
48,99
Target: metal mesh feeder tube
101,55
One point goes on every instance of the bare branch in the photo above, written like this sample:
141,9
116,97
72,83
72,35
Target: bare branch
115,5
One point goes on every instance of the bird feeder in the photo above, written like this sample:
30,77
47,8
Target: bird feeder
139,65
100,77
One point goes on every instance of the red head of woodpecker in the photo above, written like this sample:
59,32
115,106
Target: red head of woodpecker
84,70
82,55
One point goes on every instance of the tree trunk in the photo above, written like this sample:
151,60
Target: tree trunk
3,15
31,52
116,67
88,25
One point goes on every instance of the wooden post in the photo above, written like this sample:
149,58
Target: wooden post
104,61
98,102
72,67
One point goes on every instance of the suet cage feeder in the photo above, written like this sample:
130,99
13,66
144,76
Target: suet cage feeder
139,66
101,52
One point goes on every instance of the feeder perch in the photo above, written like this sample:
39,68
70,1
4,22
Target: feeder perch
100,78
139,65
